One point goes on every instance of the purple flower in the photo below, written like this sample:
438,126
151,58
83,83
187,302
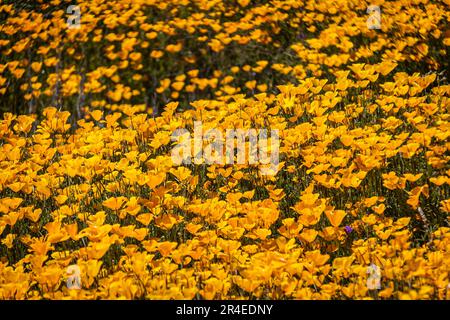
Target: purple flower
348,229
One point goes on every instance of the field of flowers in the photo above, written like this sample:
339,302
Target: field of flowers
87,177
